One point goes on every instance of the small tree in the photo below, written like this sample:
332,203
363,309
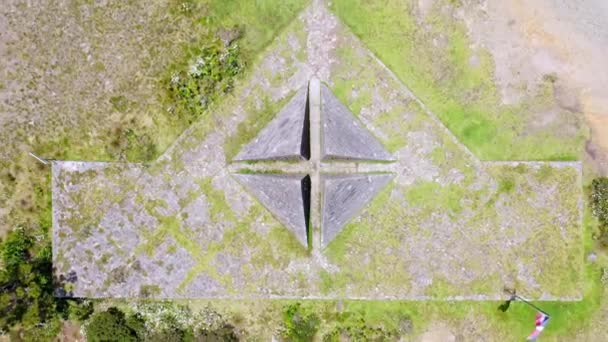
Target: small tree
27,287
26,283
110,325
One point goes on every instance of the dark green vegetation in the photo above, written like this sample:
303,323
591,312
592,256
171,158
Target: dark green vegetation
169,322
299,325
211,75
599,205
28,289
111,325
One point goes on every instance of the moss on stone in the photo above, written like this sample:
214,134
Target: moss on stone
219,209
432,196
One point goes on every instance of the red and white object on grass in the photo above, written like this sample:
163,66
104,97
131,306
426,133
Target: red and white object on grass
540,322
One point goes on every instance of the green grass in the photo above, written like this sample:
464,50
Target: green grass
219,207
432,195
463,96
261,20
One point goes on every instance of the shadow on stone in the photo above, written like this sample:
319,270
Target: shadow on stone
344,196
306,194
287,197
343,136
305,144
64,283
286,137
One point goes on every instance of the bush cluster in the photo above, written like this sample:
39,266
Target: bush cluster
164,322
353,327
599,206
27,287
210,74
112,325
299,324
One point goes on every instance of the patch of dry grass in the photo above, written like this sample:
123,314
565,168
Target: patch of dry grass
87,81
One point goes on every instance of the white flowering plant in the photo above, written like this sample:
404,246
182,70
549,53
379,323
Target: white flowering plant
599,206
210,74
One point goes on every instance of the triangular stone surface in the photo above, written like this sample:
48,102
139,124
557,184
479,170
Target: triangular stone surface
285,137
287,197
343,198
343,136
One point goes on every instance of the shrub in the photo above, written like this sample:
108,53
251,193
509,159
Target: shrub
299,324
26,281
15,251
110,325
223,333
599,199
599,206
210,74
211,326
27,286
165,321
354,327
80,311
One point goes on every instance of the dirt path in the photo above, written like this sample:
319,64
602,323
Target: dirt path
567,40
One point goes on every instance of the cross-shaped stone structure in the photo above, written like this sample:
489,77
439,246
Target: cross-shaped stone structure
314,166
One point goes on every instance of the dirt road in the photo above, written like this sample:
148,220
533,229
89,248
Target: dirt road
565,39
